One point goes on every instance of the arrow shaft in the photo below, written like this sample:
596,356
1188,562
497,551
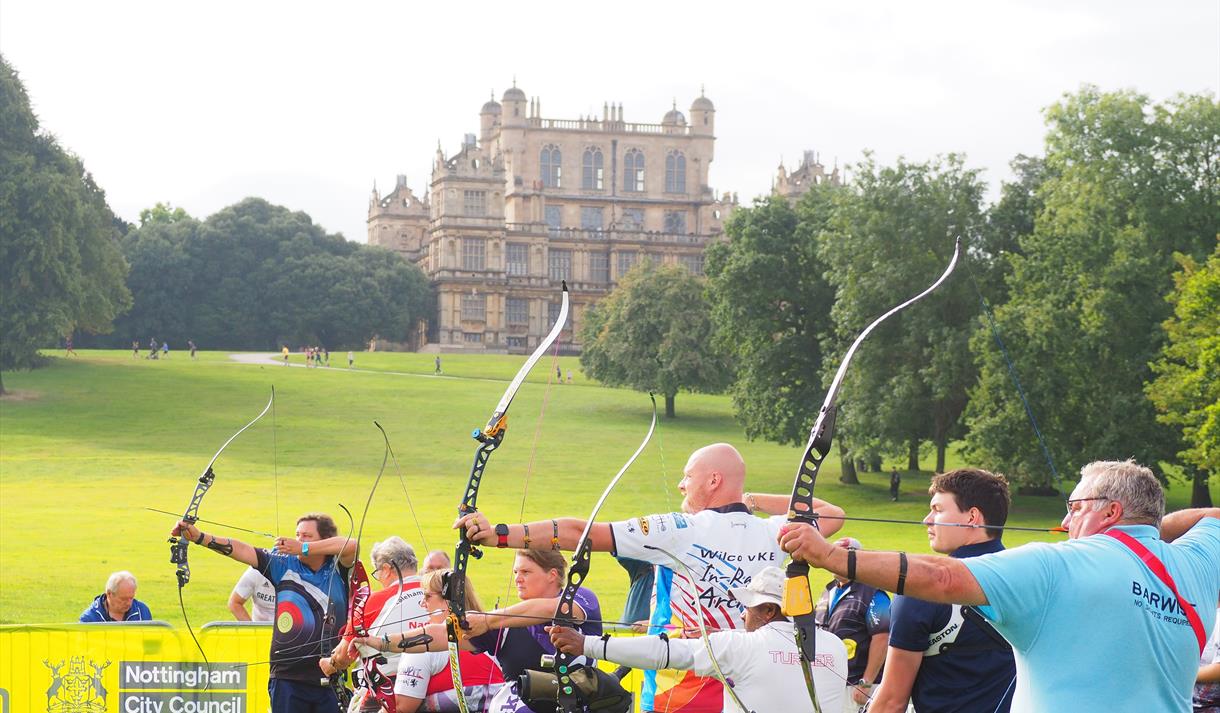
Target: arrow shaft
213,522
942,524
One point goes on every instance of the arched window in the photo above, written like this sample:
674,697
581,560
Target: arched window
675,172
592,170
633,171
552,172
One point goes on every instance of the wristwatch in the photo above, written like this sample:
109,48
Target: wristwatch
501,535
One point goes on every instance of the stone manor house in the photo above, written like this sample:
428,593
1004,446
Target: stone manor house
532,201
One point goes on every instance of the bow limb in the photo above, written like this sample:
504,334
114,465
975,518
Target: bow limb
579,570
489,439
798,598
179,544
707,644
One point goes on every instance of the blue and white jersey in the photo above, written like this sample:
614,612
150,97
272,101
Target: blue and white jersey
310,611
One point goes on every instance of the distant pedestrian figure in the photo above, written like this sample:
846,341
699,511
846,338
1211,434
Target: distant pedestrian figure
569,376
558,374
135,349
895,483
438,366
285,353
190,343
165,349
152,348
350,358
326,356
68,350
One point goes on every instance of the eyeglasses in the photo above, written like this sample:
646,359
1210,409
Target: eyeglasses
1073,510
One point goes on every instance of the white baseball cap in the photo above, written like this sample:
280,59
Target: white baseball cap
767,587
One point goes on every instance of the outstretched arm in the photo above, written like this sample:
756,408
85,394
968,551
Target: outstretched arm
234,549
642,652
773,504
565,531
1176,524
936,579
519,615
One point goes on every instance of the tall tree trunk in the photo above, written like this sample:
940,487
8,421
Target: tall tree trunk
1200,496
940,456
669,405
913,455
848,474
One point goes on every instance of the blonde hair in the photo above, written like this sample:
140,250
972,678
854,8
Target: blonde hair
433,582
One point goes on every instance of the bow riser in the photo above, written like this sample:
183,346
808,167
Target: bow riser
489,438
798,597
578,571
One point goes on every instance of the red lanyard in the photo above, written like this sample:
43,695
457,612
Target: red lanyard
1158,568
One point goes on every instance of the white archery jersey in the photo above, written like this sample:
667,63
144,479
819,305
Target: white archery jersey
763,666
401,611
722,549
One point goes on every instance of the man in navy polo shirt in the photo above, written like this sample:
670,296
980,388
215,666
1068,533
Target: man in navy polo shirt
943,657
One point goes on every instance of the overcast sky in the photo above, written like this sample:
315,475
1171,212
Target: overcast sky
200,104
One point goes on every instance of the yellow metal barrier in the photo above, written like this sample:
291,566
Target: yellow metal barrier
141,668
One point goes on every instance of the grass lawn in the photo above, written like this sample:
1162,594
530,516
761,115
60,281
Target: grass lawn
89,441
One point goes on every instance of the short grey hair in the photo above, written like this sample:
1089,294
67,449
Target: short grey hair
113,582
1129,483
395,552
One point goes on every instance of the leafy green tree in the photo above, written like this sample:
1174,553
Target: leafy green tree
654,333
1186,390
890,240
255,275
61,269
770,302
1126,184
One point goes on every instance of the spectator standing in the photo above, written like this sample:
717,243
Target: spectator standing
895,484
190,343
437,370
135,349
118,602
350,358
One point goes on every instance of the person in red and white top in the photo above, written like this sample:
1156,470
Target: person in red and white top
395,608
424,681
716,535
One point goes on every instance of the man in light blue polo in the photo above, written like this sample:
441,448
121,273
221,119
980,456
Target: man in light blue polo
1092,626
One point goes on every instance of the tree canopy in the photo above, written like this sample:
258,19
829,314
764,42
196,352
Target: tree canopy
1126,185
654,333
255,276
1186,390
61,269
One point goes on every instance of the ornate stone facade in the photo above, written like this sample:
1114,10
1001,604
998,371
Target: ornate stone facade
811,171
532,201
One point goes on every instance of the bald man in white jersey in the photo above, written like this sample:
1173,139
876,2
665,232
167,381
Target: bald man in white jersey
715,535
